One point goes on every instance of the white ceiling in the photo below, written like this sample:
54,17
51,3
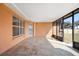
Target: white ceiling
44,12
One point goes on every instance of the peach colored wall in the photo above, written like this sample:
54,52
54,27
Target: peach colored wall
6,39
43,29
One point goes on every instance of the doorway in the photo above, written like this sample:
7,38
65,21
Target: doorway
30,30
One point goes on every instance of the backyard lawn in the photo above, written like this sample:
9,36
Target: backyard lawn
68,35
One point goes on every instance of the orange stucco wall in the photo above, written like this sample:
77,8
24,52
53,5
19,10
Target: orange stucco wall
6,39
43,29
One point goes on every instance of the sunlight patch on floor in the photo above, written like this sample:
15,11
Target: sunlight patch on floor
62,45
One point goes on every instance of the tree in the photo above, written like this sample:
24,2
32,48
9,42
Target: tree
76,23
67,24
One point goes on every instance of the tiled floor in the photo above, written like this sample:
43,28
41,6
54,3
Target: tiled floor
41,47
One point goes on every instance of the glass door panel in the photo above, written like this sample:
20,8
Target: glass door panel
60,33
76,27
68,30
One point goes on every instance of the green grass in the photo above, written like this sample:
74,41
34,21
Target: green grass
76,37
68,36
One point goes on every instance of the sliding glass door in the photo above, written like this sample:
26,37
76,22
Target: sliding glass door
76,31
68,30
76,27
59,30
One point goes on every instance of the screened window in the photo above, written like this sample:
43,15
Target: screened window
18,26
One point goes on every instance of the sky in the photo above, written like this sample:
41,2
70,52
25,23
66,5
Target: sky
76,18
